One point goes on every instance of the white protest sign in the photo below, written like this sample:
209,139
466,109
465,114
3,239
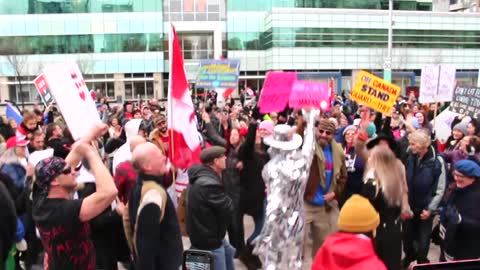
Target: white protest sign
444,121
437,83
73,98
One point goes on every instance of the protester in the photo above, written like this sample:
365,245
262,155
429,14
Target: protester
253,156
14,162
28,126
425,172
150,221
125,175
286,176
8,226
461,216
353,246
37,142
354,164
55,139
386,188
62,221
209,209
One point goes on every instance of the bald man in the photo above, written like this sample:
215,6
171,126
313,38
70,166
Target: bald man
150,220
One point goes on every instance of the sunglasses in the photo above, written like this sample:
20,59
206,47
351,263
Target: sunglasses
321,131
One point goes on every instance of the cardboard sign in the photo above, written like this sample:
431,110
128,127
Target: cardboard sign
43,90
437,83
72,96
306,94
214,73
466,99
374,92
276,91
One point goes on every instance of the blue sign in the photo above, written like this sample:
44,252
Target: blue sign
221,73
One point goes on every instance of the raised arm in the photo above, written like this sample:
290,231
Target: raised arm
106,191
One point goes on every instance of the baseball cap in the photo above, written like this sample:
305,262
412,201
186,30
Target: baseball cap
16,141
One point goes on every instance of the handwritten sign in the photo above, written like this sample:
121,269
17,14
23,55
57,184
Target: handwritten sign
276,91
214,73
437,83
43,90
307,94
374,92
73,98
466,99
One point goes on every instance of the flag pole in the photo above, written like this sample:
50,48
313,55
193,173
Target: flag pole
169,104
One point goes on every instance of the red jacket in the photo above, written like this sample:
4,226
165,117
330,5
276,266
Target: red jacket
349,252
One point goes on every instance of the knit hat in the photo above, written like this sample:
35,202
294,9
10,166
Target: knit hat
349,128
462,127
415,123
468,168
208,155
47,169
358,216
267,125
326,125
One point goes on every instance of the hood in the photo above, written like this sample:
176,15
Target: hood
209,177
131,128
345,251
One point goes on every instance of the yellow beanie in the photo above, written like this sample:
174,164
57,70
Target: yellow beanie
358,216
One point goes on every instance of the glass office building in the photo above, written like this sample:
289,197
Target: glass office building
122,45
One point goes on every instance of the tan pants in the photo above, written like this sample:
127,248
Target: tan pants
320,223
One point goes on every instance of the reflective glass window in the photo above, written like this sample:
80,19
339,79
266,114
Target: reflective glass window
78,6
62,44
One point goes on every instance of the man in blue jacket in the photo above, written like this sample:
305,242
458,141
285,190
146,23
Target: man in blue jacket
425,171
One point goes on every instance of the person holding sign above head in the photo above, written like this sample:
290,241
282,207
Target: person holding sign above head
63,221
325,184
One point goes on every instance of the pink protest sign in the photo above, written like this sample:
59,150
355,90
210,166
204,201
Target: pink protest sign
276,91
307,94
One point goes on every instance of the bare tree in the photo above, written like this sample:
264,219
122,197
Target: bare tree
85,64
14,52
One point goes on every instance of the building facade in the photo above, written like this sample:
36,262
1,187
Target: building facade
121,46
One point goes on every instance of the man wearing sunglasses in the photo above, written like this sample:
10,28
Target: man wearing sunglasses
63,221
328,175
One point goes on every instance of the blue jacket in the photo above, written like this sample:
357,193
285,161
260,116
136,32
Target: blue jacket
426,181
17,173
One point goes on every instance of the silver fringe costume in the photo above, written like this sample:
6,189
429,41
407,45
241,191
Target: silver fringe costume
280,244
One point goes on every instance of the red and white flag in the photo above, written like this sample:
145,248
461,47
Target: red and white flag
249,91
184,141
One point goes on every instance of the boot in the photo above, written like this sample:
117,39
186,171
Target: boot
254,258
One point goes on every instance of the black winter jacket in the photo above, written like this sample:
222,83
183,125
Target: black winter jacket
209,209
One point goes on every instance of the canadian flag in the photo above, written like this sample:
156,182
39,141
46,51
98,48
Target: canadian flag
331,88
184,140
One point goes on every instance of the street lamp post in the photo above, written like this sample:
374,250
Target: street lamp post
387,68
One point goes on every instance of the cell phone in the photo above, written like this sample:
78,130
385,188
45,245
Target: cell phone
454,265
194,259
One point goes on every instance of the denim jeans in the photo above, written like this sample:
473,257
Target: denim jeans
224,256
258,221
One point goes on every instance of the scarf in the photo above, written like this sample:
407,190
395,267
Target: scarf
337,161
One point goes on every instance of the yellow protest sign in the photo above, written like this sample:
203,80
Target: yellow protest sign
374,92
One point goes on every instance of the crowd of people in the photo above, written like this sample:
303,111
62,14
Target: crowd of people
368,190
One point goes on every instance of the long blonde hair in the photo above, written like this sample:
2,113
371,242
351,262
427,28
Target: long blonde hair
389,174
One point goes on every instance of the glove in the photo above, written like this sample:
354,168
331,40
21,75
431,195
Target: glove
453,215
